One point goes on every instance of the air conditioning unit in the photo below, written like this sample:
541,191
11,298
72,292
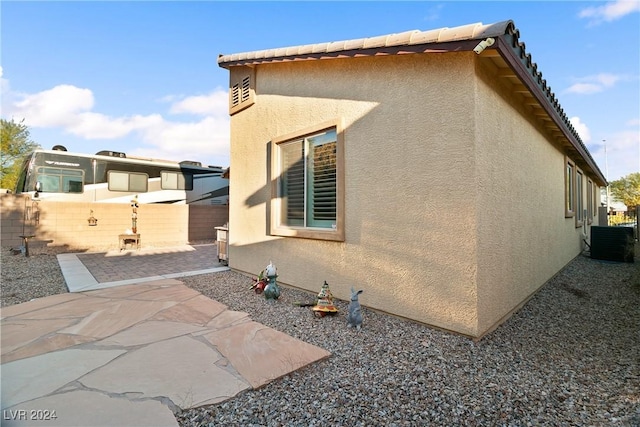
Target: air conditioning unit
612,243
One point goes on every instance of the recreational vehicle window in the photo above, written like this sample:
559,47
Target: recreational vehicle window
176,181
128,181
58,180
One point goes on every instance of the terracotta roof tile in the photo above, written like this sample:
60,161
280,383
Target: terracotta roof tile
504,30
413,37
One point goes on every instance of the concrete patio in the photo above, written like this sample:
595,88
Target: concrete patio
129,353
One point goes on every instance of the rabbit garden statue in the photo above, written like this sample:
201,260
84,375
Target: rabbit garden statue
354,315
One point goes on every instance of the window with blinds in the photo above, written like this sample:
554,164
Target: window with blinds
308,181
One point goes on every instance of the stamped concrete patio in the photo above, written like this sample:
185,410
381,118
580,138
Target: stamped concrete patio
132,353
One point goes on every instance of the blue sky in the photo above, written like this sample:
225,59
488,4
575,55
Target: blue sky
142,77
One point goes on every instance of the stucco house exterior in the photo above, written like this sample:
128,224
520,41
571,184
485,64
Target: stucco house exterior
436,170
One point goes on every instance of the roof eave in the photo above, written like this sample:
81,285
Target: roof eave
453,46
515,56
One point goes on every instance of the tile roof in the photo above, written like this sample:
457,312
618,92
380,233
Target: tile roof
407,38
461,38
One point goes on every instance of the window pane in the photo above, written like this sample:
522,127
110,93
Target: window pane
118,181
307,181
569,188
322,180
292,183
138,182
169,180
57,180
72,184
49,183
589,199
579,203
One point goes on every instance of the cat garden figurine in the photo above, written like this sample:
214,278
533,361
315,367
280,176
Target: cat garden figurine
354,314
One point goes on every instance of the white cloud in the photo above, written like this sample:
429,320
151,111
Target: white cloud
54,107
99,126
623,149
594,84
609,12
70,109
622,155
4,85
208,137
213,103
584,88
581,128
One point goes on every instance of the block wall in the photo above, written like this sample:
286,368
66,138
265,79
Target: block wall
66,223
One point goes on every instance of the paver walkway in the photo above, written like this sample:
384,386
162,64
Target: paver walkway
130,354
87,271
134,264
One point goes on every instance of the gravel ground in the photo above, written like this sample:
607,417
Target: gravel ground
569,357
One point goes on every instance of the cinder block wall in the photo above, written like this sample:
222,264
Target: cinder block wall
66,223
203,220
13,222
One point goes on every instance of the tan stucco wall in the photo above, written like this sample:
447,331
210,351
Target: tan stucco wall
454,201
410,216
522,233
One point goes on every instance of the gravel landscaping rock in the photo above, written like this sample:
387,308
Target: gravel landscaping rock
26,278
569,357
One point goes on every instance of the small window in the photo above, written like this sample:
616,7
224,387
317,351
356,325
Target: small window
60,180
128,181
590,201
307,199
569,188
176,181
579,198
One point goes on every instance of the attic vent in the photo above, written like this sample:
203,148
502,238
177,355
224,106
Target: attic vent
246,88
235,95
241,89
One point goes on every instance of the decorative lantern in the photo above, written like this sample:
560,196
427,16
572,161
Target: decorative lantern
325,302
92,220
271,291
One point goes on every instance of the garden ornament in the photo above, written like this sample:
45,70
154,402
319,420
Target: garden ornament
259,283
271,291
354,316
325,302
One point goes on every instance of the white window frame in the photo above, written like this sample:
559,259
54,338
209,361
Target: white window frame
278,227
